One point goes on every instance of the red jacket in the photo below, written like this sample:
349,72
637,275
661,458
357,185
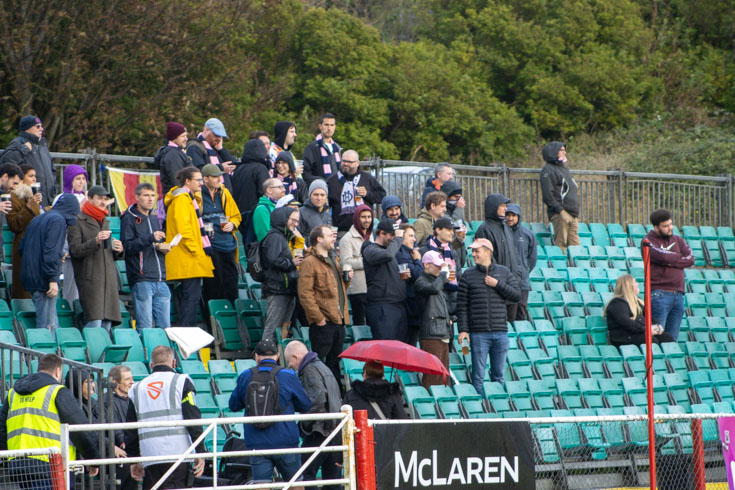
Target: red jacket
669,257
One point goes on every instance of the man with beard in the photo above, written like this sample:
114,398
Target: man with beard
393,208
350,250
208,147
322,156
30,147
315,211
349,188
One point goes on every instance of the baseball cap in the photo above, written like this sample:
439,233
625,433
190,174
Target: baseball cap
97,190
433,257
387,225
266,348
211,170
481,242
443,223
216,126
287,200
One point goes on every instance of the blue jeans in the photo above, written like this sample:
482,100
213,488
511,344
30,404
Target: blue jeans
483,343
667,308
152,302
106,324
287,464
45,310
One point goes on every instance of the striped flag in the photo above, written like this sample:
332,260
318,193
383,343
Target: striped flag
123,183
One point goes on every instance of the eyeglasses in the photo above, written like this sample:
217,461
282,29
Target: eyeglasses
198,180
39,126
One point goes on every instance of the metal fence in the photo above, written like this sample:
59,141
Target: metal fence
606,196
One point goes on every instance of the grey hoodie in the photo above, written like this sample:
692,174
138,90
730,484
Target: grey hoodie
499,233
526,245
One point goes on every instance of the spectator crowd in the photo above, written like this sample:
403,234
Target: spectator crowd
331,249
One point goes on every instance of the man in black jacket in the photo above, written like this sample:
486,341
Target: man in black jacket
145,263
248,179
208,147
172,157
281,273
322,156
526,245
497,231
123,381
484,292
31,147
559,190
349,188
386,291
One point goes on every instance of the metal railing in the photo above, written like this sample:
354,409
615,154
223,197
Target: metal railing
218,458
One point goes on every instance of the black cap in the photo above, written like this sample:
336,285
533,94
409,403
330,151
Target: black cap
266,348
97,190
387,225
443,223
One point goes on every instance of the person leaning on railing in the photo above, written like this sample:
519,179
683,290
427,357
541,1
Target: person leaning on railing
32,415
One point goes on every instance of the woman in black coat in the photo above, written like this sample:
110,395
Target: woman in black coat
625,316
375,389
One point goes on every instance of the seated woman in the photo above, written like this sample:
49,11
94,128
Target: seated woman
381,398
625,317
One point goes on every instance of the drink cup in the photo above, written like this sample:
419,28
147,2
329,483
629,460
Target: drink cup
223,222
298,252
346,273
403,270
465,347
36,188
5,197
452,273
107,243
209,229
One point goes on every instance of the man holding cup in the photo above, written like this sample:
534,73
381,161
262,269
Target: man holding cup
323,296
220,211
441,242
93,252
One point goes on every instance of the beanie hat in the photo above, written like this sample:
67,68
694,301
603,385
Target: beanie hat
318,184
174,130
28,122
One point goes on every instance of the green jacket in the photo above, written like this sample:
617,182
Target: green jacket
262,217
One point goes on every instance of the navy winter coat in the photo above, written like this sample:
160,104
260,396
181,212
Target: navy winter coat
142,261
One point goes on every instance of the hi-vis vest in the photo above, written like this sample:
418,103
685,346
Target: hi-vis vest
158,398
33,421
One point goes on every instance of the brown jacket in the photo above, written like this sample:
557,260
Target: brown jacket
18,219
318,290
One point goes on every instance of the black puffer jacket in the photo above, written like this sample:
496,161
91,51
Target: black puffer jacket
281,275
558,187
247,181
387,395
481,308
170,160
499,233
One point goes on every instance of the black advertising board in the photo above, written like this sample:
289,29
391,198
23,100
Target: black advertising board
468,455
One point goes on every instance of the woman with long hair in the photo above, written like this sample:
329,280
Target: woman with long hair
625,316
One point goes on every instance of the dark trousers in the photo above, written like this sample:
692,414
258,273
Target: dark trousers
522,311
387,321
190,294
359,305
224,283
178,479
512,312
327,341
326,461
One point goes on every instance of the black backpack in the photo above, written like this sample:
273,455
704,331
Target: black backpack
255,261
261,397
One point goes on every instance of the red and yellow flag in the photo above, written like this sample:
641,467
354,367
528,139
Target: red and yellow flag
123,183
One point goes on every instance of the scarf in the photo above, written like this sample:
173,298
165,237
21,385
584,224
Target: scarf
310,356
446,251
349,198
213,157
325,152
205,238
289,183
93,211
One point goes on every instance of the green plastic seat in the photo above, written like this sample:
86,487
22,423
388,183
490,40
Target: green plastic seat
421,402
152,338
223,375
225,324
39,339
139,370
25,313
251,317
244,364
71,344
569,392
128,336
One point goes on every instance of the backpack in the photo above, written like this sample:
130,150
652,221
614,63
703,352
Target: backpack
255,261
261,397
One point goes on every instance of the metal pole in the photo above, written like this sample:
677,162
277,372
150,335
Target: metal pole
348,439
700,480
65,452
646,249
365,453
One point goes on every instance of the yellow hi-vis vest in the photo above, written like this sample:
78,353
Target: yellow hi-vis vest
33,421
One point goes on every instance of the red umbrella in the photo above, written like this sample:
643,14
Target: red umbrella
397,355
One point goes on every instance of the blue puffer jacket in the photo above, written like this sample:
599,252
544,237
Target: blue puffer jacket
292,398
43,244
142,261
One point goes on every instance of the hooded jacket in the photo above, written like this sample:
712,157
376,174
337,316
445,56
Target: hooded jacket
186,260
318,290
384,283
495,229
389,202
18,220
481,308
669,257
247,181
281,275
170,160
262,217
143,262
66,405
301,192
323,390
452,188
280,131
386,395
375,194
43,243
558,187
432,185
313,160
39,157
350,251
311,217
526,244
94,270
